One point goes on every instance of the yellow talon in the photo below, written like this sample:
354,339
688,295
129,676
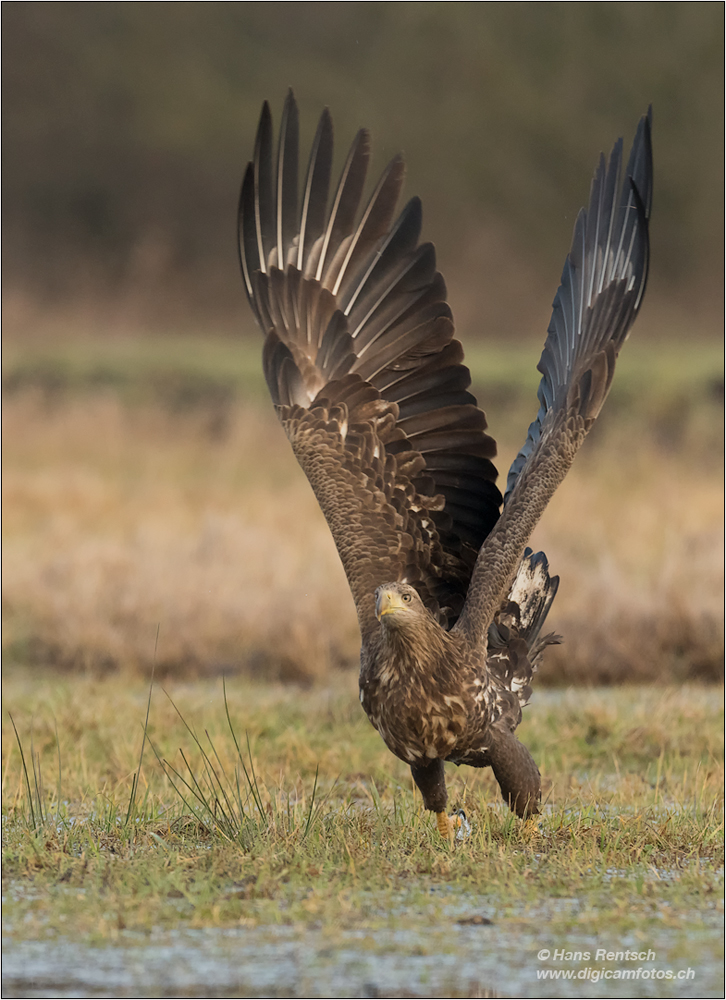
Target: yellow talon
445,825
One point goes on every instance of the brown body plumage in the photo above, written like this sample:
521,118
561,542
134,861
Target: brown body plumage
369,385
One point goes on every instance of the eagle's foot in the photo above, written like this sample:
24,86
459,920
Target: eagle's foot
531,823
454,827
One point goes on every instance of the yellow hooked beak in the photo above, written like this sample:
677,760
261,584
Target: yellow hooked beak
387,603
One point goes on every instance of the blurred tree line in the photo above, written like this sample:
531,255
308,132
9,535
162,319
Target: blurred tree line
126,128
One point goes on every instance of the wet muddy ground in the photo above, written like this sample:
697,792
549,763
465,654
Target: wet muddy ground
472,952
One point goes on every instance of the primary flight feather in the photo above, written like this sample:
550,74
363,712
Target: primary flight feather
370,387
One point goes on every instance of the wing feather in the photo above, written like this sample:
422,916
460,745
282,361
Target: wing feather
346,202
317,185
287,155
264,201
371,229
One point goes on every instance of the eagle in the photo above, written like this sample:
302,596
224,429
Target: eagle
369,384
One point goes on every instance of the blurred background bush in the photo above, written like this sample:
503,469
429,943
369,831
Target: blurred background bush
126,127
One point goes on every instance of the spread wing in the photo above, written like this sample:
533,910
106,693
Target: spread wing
602,287
363,368
600,293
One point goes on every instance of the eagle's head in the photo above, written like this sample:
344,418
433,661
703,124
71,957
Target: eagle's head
398,605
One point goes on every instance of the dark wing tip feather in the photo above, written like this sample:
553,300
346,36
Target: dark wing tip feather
345,201
317,185
286,181
264,205
246,241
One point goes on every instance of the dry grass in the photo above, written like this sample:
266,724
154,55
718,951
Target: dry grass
120,521
127,516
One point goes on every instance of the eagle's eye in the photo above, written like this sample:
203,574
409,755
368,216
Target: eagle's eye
406,598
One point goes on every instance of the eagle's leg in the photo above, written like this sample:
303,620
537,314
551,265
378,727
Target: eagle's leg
431,783
516,772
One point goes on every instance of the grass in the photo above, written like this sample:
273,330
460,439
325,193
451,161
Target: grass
292,812
185,372
148,489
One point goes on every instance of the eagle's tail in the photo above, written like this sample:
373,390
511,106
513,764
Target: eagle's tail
534,590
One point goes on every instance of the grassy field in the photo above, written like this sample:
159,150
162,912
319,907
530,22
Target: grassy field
313,826
153,515
148,488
